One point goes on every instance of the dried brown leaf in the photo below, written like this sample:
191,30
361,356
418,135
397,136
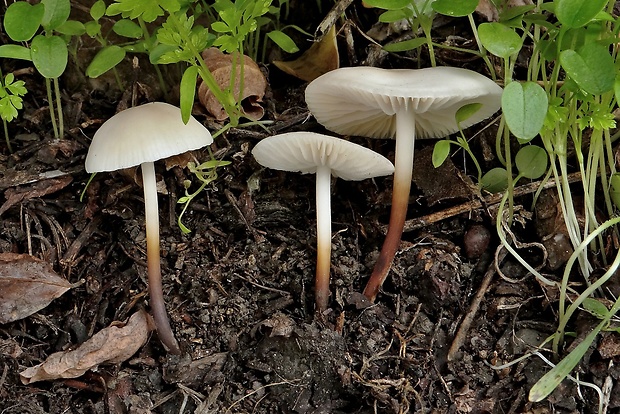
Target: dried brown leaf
489,11
111,345
27,285
254,84
319,59
38,189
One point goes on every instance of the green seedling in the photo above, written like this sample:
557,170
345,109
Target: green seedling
206,174
48,50
11,92
418,13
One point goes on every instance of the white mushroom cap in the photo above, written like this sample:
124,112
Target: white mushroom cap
306,151
145,133
364,100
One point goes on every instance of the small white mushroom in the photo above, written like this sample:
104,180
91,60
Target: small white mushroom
140,136
400,104
308,152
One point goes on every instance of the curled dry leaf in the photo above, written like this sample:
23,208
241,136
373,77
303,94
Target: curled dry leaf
27,285
254,84
319,59
111,345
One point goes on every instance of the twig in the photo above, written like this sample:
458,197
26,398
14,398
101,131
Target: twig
438,216
469,317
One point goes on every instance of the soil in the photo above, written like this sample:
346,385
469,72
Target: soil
239,287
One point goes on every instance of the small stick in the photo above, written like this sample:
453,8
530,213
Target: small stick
420,222
459,338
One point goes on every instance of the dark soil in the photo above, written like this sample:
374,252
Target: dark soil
239,287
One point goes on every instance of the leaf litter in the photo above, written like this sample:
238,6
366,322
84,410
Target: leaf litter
111,345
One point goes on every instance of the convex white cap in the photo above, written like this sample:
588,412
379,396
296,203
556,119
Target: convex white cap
145,133
306,151
363,100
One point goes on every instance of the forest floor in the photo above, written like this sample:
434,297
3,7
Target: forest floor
239,287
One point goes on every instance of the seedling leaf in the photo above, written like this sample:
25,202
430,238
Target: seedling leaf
455,8
549,382
440,152
406,45
500,39
104,60
22,20
525,108
15,52
466,111
283,41
71,28
49,55
188,92
127,28
56,13
592,68
388,4
495,180
531,161
577,13
614,189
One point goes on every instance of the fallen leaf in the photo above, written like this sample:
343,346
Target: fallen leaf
486,8
319,59
254,84
36,190
111,345
27,285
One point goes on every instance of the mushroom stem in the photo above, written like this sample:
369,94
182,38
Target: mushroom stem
323,237
403,171
158,307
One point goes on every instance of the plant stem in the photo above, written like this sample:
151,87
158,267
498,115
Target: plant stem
6,135
61,119
50,101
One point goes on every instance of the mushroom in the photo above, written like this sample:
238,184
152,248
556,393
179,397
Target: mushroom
400,104
309,152
140,136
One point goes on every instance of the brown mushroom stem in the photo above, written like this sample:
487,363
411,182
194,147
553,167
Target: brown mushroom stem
403,171
323,237
156,294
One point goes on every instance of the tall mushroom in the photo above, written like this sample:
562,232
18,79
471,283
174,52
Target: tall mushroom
401,104
308,152
140,136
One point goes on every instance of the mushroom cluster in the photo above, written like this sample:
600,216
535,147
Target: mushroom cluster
140,136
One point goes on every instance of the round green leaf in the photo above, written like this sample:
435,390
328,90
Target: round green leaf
577,13
455,8
127,28
525,107
495,180
104,60
592,68
56,13
388,4
531,161
440,152
49,55
499,39
22,20
283,41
